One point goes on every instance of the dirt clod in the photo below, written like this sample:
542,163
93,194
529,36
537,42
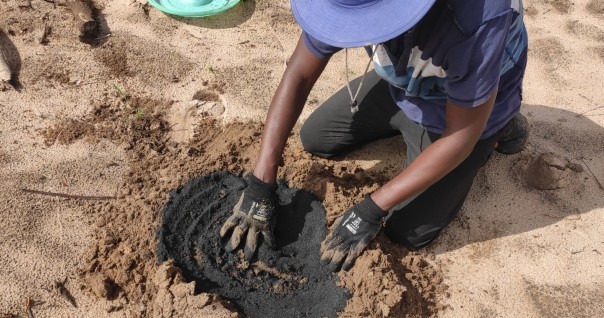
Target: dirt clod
177,298
102,286
549,172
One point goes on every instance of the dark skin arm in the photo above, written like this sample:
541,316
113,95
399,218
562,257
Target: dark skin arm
301,73
464,126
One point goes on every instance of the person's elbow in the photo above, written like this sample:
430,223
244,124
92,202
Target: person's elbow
465,126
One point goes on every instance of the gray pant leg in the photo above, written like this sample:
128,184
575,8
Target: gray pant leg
334,130
417,139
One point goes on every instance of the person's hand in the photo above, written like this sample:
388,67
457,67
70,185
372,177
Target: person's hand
253,214
352,232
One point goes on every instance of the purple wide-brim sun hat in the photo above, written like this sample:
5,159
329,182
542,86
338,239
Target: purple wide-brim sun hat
356,23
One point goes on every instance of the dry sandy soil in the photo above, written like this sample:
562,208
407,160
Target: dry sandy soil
94,136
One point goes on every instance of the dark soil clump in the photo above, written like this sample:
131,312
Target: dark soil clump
289,282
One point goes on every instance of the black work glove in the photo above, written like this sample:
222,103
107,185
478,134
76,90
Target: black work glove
352,232
254,213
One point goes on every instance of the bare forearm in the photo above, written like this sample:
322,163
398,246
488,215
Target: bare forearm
431,165
301,74
285,109
464,128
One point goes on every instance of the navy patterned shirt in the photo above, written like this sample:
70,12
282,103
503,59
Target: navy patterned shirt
462,51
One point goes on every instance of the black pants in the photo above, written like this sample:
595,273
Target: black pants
333,130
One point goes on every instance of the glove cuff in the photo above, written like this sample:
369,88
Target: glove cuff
259,188
370,212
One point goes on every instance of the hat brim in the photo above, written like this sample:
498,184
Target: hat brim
348,27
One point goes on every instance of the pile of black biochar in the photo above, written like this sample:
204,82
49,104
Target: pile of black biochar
288,282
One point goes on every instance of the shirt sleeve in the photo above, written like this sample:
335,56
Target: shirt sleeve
474,65
321,50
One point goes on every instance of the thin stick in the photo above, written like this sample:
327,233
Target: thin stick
61,285
103,36
79,83
587,98
30,314
596,178
68,196
123,95
589,110
64,292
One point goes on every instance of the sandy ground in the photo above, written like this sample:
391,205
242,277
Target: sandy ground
527,243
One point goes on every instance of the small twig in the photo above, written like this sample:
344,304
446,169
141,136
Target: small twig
122,95
593,175
60,286
587,99
589,110
57,284
595,250
68,196
103,36
578,251
119,90
30,314
79,83
244,42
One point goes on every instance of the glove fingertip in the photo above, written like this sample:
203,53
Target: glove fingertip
251,244
224,229
324,261
334,267
334,243
229,247
248,254
354,253
233,243
347,264
269,239
346,267
336,261
228,225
